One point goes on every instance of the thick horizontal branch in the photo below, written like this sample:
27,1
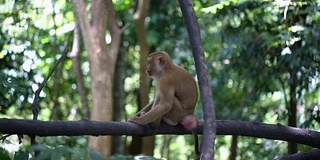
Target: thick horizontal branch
312,154
95,128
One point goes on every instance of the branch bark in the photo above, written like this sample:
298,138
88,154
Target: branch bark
146,143
312,154
102,60
208,142
96,128
76,66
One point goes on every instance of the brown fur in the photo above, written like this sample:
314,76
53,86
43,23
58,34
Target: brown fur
176,93
175,98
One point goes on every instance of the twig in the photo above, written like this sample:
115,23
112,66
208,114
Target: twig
35,104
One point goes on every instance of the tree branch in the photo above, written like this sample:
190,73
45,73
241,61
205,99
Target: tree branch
208,142
115,31
76,66
79,9
95,128
99,20
312,154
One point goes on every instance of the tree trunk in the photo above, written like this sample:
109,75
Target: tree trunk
135,147
233,148
292,119
139,19
102,62
76,66
118,97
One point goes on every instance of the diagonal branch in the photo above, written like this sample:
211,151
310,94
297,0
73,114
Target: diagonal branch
35,103
115,31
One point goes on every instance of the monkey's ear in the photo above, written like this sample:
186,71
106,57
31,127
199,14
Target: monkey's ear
161,60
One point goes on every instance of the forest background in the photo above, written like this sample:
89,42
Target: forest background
263,59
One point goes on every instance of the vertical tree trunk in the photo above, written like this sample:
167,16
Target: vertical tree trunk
76,66
102,62
139,19
118,103
292,119
135,147
165,149
233,148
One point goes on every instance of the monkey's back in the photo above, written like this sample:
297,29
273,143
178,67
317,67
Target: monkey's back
185,88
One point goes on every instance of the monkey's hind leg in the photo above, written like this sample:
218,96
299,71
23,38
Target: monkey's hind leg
156,123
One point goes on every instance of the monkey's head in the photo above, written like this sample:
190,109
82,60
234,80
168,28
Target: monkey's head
158,62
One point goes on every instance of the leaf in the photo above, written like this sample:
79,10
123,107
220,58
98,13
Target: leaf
95,155
4,154
21,155
38,147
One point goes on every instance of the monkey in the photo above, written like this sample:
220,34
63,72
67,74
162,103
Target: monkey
175,98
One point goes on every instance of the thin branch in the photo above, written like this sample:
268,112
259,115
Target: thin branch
112,23
35,104
142,9
207,148
79,9
76,65
124,27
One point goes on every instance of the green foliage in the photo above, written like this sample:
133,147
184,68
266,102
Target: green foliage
21,155
255,51
64,153
4,155
56,153
126,157
162,15
257,54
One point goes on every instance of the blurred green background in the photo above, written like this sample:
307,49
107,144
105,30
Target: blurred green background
263,58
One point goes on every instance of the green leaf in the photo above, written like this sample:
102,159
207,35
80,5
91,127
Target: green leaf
4,154
21,155
95,155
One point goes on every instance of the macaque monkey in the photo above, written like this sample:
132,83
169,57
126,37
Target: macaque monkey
175,98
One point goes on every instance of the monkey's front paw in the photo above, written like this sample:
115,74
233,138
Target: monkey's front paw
139,114
131,121
134,119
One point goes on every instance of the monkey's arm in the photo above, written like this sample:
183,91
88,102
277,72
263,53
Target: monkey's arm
144,109
166,96
154,114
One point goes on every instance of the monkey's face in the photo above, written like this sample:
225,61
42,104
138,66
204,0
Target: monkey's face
153,69
149,71
150,67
